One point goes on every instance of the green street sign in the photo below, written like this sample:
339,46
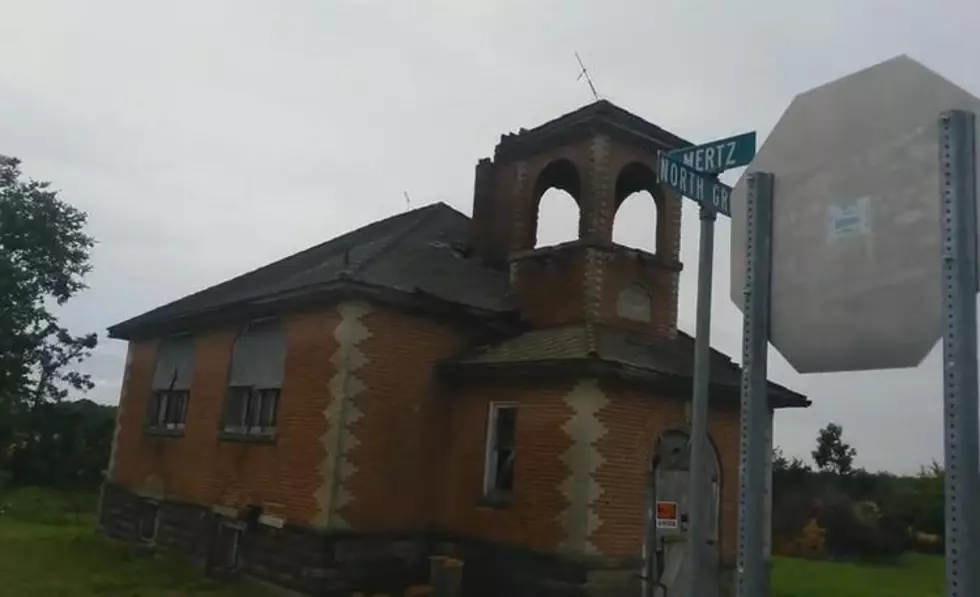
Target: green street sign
718,156
701,187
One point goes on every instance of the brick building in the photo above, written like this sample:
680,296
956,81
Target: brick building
433,383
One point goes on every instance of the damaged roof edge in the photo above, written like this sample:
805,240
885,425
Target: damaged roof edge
318,295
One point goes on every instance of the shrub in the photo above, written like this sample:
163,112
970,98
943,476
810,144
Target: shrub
856,530
791,513
813,539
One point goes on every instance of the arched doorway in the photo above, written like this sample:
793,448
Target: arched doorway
665,552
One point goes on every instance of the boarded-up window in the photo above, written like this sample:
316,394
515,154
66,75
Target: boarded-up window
149,513
255,381
172,379
226,546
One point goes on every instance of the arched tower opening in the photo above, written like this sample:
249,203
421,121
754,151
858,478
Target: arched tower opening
638,223
556,206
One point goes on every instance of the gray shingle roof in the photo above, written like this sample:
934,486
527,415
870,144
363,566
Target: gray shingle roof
420,251
673,357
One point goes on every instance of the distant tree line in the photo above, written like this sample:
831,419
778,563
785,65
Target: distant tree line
45,438
835,509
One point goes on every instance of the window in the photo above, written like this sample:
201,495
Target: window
147,523
255,381
168,409
233,537
226,546
172,377
251,410
499,472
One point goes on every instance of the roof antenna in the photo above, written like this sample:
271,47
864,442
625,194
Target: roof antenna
585,74
408,201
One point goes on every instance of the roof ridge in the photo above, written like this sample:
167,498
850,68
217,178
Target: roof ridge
341,240
359,266
347,235
604,110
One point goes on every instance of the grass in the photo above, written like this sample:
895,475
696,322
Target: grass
915,576
48,547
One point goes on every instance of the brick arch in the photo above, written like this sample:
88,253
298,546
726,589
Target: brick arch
634,177
719,471
562,174
657,447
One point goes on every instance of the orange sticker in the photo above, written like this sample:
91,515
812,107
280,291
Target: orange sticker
667,515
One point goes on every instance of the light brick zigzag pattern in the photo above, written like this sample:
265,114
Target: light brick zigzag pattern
581,489
597,205
521,199
592,296
339,440
600,197
111,471
111,468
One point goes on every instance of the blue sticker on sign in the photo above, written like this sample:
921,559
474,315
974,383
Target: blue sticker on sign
848,218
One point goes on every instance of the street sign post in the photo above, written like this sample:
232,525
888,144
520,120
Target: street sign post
752,580
699,186
867,268
692,171
958,198
718,156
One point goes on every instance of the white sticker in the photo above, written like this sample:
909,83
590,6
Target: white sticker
848,218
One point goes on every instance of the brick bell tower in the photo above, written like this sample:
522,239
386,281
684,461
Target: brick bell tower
599,154
597,378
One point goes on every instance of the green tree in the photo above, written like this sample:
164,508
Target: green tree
832,454
788,474
44,257
782,464
919,500
68,447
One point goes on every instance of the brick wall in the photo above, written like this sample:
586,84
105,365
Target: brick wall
549,285
153,465
398,437
622,268
553,286
531,519
282,477
388,449
634,421
548,420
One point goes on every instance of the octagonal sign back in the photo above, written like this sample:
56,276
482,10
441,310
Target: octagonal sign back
856,237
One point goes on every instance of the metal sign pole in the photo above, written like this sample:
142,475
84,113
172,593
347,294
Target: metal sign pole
700,484
693,172
751,571
958,220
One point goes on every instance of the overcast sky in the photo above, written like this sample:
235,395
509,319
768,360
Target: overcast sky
206,138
